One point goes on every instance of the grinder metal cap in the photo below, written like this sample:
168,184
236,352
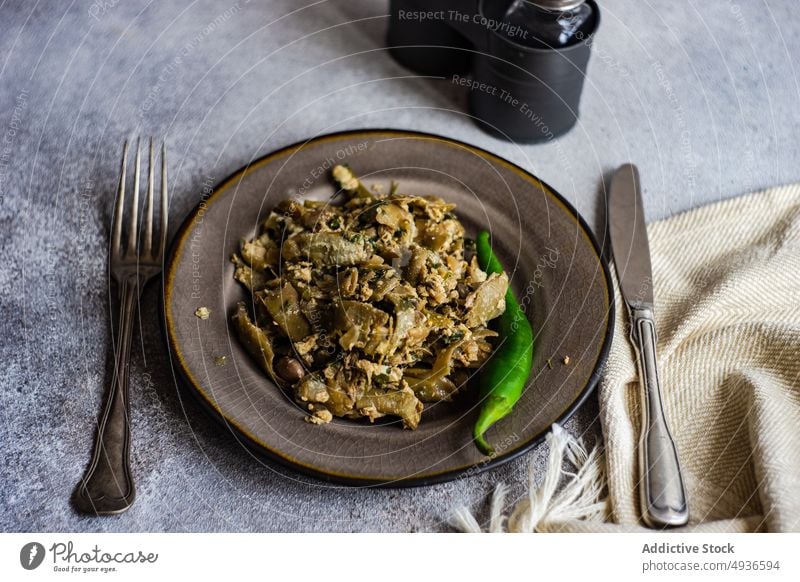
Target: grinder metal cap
555,5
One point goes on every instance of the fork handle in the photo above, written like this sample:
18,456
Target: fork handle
107,487
662,492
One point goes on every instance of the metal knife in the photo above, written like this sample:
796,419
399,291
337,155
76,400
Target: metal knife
661,489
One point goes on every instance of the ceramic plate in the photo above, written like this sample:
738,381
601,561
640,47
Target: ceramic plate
553,260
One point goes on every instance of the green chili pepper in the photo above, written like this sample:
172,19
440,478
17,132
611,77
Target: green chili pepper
505,374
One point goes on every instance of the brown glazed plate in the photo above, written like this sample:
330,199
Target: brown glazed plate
553,260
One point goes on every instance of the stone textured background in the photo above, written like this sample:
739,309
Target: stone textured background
701,95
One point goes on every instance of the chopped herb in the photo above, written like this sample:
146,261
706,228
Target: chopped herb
456,336
407,303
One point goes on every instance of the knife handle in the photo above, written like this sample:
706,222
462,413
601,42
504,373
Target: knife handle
662,493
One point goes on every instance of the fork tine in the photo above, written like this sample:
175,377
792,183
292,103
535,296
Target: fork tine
164,202
120,205
148,224
133,235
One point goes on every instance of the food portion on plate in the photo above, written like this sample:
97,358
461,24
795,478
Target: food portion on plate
368,307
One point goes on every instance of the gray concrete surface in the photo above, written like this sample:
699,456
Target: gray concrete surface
701,95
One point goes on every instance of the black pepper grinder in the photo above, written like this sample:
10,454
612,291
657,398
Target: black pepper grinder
530,76
528,58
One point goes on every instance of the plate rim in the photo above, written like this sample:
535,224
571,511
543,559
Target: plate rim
260,449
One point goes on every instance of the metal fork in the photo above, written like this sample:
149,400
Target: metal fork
107,487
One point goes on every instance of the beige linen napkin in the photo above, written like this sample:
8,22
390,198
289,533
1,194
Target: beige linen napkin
727,304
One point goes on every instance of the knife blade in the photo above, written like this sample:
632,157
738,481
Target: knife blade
661,487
